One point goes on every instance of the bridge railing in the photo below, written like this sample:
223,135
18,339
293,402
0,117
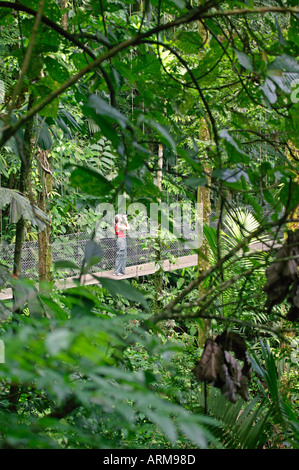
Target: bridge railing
140,250
71,247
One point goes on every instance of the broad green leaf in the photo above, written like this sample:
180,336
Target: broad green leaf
244,60
194,182
194,432
236,153
230,175
106,117
146,65
48,41
79,59
284,70
269,90
62,264
164,135
189,41
51,110
289,195
103,110
42,89
165,423
90,181
53,11
92,253
124,289
56,70
58,340
54,307
180,3
293,31
35,67
44,137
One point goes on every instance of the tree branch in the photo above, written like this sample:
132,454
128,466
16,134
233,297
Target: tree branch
190,16
247,11
26,60
10,130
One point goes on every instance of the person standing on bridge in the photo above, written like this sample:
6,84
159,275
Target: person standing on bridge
121,227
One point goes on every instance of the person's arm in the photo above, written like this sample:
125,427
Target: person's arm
122,226
127,223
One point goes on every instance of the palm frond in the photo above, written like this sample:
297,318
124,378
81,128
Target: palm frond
237,225
241,426
282,411
21,206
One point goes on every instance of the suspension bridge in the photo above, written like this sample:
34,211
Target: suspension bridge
140,255
174,255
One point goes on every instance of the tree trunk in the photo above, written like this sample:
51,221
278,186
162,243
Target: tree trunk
158,276
203,197
63,5
26,156
160,166
44,245
294,225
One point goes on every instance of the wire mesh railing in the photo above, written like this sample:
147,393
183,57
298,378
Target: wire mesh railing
140,250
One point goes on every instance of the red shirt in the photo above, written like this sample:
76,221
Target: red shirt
119,233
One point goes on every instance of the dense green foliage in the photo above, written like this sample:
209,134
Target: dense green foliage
89,93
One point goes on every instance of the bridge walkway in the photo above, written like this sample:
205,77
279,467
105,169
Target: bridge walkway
138,270
131,272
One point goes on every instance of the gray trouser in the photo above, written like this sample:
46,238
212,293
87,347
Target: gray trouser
121,256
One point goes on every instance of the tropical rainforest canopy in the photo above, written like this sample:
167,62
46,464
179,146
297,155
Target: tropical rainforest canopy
158,102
